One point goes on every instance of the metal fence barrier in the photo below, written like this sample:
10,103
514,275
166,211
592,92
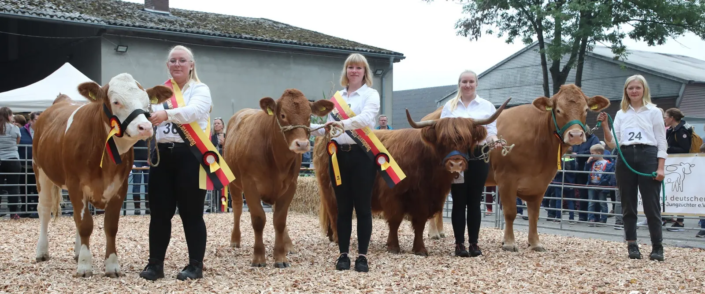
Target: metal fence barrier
18,196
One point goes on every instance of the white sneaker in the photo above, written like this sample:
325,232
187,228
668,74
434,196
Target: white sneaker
642,223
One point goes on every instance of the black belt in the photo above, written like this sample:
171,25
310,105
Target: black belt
171,145
348,147
637,146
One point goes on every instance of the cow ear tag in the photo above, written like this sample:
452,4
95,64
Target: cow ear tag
549,108
594,107
154,100
269,111
323,108
90,94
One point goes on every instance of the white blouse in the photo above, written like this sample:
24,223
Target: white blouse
197,97
644,126
365,104
478,108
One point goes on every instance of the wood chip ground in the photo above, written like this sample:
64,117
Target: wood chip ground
571,265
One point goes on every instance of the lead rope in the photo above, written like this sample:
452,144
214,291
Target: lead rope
487,148
149,145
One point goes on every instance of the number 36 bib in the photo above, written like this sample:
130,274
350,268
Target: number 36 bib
633,135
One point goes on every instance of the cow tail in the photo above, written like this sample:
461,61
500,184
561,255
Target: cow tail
55,201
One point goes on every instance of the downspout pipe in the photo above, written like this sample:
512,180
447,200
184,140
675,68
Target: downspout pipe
384,74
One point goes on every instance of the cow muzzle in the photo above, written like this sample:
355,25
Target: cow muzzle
300,146
456,162
574,137
144,129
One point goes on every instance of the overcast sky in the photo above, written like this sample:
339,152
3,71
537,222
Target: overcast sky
424,32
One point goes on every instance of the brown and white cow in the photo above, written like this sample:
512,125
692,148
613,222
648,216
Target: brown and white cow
425,154
527,171
67,149
265,158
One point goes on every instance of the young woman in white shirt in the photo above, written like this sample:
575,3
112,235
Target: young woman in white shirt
175,181
357,170
469,193
642,139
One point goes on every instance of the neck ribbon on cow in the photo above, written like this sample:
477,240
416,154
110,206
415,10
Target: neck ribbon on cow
562,130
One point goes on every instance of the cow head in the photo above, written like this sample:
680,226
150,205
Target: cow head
453,137
568,110
292,113
124,98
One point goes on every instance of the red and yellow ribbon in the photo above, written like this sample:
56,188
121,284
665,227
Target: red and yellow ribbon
373,147
218,175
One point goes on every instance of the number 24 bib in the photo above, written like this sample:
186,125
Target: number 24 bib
633,135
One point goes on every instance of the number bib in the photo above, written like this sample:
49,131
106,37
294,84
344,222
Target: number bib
167,130
633,135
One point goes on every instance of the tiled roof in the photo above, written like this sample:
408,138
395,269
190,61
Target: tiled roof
678,66
127,14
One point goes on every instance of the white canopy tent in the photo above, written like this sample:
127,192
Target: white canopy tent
40,95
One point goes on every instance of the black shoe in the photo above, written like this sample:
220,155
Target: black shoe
343,262
194,270
676,227
461,251
657,252
137,212
361,264
474,250
701,234
634,251
153,271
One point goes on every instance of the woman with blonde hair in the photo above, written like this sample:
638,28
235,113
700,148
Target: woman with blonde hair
175,181
640,130
468,194
357,170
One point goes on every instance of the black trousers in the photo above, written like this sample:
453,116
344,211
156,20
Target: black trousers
14,201
643,159
469,195
172,184
357,172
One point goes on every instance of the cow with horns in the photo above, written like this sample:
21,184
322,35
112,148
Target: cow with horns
541,132
86,148
431,156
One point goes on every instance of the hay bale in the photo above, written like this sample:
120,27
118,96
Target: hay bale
306,199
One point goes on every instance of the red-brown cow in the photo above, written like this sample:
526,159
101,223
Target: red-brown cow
263,149
533,162
68,147
425,155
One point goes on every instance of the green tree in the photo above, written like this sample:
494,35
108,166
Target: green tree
570,28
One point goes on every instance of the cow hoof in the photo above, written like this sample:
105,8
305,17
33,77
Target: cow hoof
235,244
75,258
421,253
443,235
44,257
84,273
254,264
394,250
112,275
436,237
281,264
510,248
538,249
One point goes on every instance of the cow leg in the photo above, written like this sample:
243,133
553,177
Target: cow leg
281,209
435,227
288,245
534,210
509,206
236,194
259,219
84,224
44,185
419,224
112,218
394,222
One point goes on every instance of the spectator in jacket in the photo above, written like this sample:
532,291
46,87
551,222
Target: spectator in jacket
382,123
583,149
679,137
569,164
28,184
